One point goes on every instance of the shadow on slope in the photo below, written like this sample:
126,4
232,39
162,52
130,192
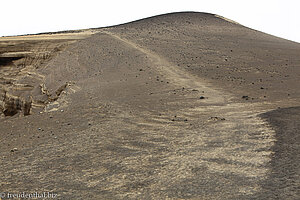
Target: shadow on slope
283,181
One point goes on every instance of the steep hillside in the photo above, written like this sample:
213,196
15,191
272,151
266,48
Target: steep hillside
178,106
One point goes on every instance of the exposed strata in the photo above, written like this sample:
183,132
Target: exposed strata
22,84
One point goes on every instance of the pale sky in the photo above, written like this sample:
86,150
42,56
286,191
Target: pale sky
277,17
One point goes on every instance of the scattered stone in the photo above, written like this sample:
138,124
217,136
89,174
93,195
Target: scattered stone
217,119
245,97
14,150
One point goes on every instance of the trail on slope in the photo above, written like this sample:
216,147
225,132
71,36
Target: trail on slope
176,75
238,146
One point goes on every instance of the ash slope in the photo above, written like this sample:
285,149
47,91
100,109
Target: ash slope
129,122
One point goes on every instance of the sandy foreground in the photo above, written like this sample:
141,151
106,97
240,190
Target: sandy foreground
177,106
